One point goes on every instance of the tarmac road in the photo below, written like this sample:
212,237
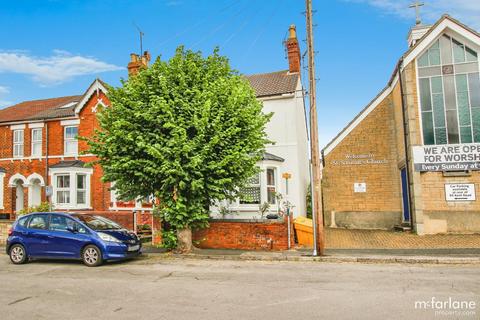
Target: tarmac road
203,289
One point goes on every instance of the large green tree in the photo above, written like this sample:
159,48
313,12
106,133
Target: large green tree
187,131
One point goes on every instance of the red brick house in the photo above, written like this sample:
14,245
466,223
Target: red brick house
39,147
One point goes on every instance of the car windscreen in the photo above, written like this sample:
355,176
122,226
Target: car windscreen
97,222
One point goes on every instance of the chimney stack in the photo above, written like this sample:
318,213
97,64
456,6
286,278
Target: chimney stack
293,50
138,62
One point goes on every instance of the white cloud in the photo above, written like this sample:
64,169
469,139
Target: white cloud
55,69
467,11
4,90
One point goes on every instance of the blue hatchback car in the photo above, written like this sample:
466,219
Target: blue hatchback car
90,238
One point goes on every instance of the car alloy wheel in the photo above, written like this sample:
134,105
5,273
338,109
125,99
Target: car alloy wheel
92,256
17,254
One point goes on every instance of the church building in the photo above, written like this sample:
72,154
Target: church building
411,158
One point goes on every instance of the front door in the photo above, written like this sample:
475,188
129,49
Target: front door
65,242
18,197
405,197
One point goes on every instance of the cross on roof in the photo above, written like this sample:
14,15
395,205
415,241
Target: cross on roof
417,6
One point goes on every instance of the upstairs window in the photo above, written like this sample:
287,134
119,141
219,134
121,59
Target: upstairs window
18,143
449,84
71,141
36,142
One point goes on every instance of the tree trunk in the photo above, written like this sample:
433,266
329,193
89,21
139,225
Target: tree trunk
184,240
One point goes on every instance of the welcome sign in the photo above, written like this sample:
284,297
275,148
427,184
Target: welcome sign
453,157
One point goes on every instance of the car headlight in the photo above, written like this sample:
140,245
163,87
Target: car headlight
107,237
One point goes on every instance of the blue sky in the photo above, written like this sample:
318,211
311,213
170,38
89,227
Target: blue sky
55,48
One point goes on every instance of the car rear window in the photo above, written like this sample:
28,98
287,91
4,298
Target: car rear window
23,221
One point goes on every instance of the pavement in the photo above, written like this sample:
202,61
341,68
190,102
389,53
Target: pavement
371,256
382,239
204,289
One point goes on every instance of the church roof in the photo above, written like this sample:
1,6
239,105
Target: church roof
274,83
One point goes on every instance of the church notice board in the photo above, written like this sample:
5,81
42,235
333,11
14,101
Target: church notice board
460,192
449,157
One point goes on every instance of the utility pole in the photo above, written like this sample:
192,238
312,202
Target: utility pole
317,214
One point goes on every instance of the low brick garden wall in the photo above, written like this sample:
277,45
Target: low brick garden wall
4,226
125,219
244,235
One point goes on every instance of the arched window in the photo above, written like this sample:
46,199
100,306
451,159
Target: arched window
449,86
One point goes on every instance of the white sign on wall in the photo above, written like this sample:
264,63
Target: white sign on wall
360,187
460,192
449,157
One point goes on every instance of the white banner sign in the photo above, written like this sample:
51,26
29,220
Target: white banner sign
452,157
460,192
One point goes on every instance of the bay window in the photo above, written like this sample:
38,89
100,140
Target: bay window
449,93
71,188
261,188
250,194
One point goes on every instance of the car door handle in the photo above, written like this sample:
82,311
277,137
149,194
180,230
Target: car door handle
24,233
50,237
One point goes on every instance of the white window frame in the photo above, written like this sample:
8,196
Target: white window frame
259,186
70,140
2,181
84,189
453,37
36,142
18,143
73,173
274,185
264,165
63,189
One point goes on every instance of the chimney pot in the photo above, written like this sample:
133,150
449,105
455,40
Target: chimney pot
292,32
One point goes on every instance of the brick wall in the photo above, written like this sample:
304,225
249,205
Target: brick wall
260,235
430,207
375,139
